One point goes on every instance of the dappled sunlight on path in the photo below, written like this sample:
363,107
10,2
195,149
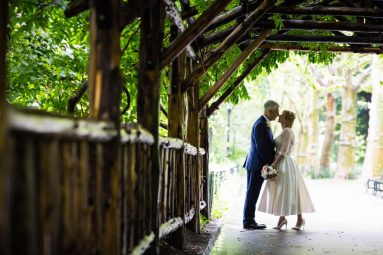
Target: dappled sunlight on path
348,220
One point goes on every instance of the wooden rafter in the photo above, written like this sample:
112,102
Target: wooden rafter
243,56
240,30
331,11
326,39
214,106
297,25
298,47
192,32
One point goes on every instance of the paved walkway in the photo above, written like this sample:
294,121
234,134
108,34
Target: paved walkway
347,221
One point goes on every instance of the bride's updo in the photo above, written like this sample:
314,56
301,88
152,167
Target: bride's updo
289,116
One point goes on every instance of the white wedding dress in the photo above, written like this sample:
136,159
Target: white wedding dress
287,195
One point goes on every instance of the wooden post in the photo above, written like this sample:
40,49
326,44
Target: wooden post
176,130
4,227
148,104
105,92
192,134
204,143
242,57
239,31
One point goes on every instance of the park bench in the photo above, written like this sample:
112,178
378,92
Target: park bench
375,184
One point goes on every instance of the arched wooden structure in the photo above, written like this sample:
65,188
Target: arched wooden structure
96,186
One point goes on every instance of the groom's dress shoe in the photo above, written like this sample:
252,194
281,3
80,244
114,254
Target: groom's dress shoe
254,226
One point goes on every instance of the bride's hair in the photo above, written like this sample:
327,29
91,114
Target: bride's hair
290,116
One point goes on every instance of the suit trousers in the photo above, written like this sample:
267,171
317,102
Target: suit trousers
254,185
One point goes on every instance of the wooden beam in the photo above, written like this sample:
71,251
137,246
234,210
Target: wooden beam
297,47
233,14
329,11
148,101
243,56
326,39
321,25
192,32
297,24
255,16
214,106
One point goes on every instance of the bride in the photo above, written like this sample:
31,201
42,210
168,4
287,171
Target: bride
287,195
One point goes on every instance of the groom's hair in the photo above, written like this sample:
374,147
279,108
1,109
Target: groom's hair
270,105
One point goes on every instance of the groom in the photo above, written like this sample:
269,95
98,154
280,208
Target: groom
262,152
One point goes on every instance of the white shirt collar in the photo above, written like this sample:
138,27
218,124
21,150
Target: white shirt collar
267,119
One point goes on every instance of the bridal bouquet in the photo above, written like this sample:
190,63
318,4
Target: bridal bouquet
269,173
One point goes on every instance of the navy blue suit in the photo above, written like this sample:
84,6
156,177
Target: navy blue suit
262,152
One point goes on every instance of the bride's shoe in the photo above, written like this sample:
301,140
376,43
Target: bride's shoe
280,225
301,226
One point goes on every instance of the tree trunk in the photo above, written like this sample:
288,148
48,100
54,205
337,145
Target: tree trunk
325,158
313,132
373,164
148,100
346,153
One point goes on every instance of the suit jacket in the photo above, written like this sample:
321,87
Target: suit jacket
262,147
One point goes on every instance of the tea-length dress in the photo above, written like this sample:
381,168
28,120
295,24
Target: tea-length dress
287,195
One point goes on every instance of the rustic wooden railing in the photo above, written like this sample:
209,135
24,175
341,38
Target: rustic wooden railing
63,190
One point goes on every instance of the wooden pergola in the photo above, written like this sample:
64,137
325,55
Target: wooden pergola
98,186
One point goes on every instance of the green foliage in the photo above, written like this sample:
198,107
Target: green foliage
47,57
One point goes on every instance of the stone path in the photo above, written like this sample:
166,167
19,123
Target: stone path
348,220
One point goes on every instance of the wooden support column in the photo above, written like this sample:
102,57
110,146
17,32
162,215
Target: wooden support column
204,143
148,99
214,106
239,31
4,177
242,57
193,31
105,92
176,130
192,137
